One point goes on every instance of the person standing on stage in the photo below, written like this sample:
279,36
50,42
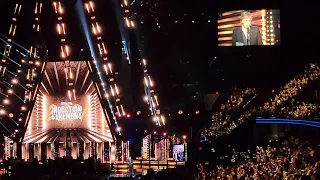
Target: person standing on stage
247,34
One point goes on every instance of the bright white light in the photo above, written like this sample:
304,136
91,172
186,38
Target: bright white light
69,94
6,101
14,81
2,111
44,112
118,129
163,120
89,114
23,108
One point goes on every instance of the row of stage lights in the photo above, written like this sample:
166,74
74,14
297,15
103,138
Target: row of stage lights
180,112
114,91
165,134
65,50
106,64
8,78
150,96
34,60
268,36
30,65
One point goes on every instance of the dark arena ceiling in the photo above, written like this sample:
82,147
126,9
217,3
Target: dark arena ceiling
179,40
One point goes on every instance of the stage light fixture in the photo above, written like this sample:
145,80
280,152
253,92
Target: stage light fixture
10,91
6,101
11,115
2,112
14,81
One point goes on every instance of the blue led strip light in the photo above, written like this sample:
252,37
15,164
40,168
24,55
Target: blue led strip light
288,121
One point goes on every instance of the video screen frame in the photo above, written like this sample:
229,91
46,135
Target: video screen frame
249,28
178,151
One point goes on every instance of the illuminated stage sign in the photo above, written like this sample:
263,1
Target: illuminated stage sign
66,111
54,109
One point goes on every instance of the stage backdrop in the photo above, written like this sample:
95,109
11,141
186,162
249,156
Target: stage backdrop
54,110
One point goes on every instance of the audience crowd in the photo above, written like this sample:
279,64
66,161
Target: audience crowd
224,122
298,110
289,159
238,100
292,88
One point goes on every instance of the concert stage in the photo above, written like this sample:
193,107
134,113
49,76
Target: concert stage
74,123
71,122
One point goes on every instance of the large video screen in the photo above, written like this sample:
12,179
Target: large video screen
249,28
178,152
63,113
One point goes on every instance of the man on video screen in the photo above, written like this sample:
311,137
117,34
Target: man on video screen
246,35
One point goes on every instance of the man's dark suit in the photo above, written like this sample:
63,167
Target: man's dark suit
239,36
